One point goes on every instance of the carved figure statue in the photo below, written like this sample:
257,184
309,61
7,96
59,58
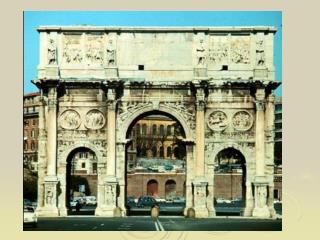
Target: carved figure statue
242,121
262,196
111,54
217,120
260,54
201,54
109,195
49,196
52,52
94,52
94,120
70,120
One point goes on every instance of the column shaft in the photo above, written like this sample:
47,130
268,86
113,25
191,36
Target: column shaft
260,135
111,164
52,132
200,140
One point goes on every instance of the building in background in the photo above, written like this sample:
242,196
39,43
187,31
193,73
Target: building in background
278,149
30,130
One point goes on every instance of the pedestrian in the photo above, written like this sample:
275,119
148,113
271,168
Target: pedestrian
78,206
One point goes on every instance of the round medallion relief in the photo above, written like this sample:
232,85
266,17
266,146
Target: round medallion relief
70,119
217,121
94,119
242,121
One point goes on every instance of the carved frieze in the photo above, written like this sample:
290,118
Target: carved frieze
126,108
242,121
188,113
240,50
94,119
217,121
72,53
70,119
231,136
218,50
94,52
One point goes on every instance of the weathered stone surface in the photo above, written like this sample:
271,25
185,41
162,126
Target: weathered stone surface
216,82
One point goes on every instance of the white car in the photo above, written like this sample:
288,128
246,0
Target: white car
90,200
29,216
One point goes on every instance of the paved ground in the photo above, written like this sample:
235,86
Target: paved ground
146,223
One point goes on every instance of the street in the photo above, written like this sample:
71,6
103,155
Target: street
146,223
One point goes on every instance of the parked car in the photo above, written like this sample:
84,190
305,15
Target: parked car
147,201
90,200
161,200
73,203
179,200
29,216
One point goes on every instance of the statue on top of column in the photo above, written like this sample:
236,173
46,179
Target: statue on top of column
52,52
201,54
111,54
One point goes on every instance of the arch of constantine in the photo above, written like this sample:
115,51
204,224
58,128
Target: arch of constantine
95,82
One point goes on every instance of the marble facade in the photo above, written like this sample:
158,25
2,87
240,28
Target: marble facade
218,83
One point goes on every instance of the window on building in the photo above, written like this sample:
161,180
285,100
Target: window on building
161,152
154,151
94,167
278,116
138,130
144,129
169,152
25,143
276,193
83,165
278,135
32,145
32,133
154,129
161,130
34,122
169,130
143,152
278,125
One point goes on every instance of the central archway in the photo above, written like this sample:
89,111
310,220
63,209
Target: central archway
230,175
154,159
81,181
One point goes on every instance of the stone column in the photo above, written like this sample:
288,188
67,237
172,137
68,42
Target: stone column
249,200
261,209
200,183
51,179
269,131
100,193
62,204
41,153
189,175
121,174
111,161
111,182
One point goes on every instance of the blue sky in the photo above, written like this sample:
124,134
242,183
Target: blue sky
33,19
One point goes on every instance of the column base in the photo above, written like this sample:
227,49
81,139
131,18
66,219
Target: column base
212,213
105,212
47,212
63,212
247,212
262,212
273,213
201,212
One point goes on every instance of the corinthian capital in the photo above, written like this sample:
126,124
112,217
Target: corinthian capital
260,105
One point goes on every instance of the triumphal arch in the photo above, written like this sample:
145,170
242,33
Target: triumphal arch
217,82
